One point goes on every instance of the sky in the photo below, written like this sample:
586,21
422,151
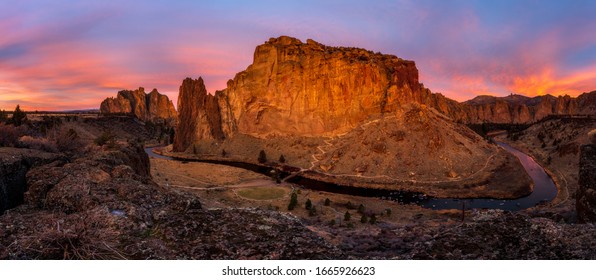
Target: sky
62,55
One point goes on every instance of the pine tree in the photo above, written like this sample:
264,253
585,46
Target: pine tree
282,159
262,157
18,117
361,209
3,116
293,201
308,204
373,219
347,216
327,202
363,219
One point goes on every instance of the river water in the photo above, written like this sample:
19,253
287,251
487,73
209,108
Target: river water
544,187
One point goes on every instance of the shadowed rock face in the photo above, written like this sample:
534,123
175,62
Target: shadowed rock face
199,117
586,194
152,106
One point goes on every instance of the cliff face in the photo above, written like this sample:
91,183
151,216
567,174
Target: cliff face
586,194
309,89
522,109
146,107
199,115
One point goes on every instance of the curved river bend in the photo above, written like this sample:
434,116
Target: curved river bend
544,187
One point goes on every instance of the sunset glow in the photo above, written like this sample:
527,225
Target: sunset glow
71,55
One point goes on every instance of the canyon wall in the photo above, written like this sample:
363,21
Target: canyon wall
523,109
295,88
152,106
309,89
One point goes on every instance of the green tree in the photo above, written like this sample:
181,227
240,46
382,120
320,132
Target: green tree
308,204
3,116
293,201
373,219
282,159
349,205
347,216
312,211
363,219
327,202
18,117
361,209
262,157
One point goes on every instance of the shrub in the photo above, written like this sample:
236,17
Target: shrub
282,159
223,153
105,138
388,210
262,157
327,202
68,140
9,135
37,144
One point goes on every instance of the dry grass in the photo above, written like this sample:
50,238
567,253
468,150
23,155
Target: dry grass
262,193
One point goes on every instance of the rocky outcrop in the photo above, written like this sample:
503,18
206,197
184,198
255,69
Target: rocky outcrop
199,117
295,88
14,164
152,106
522,109
586,194
105,206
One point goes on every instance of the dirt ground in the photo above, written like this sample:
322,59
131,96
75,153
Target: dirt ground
220,186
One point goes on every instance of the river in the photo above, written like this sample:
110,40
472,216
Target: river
544,187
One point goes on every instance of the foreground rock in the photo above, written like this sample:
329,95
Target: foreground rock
586,194
153,106
106,206
14,164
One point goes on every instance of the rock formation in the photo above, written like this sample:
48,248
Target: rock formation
152,106
14,164
199,117
522,109
586,194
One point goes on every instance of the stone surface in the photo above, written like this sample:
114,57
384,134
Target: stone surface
152,106
14,164
292,88
586,194
522,109
199,117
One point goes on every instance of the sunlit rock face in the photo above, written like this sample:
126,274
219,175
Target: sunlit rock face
295,88
523,109
152,106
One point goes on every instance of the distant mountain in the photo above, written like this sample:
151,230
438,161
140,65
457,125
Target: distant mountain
517,108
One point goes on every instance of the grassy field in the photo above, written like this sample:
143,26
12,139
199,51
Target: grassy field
262,193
